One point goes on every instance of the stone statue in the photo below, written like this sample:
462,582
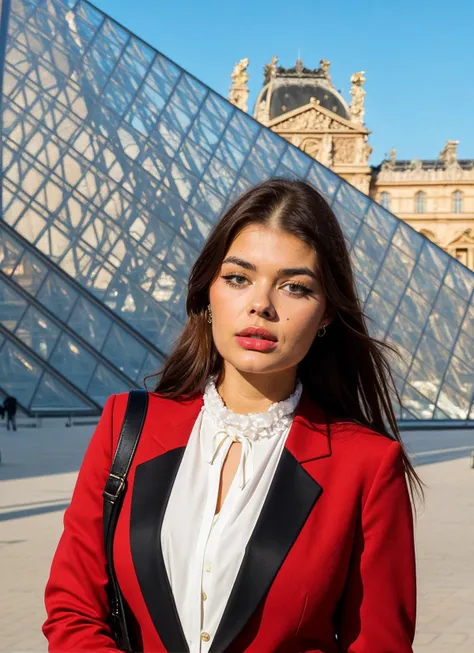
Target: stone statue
393,155
449,153
358,95
326,152
269,70
362,150
325,65
239,91
261,113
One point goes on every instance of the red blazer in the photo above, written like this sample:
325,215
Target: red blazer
330,565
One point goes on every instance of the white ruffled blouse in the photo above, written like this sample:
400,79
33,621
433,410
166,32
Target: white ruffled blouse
203,551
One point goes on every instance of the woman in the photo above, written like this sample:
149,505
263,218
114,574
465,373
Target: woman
267,506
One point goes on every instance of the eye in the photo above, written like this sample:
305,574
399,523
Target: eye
296,289
229,279
301,291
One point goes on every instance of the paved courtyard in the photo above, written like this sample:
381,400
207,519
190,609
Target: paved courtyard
37,475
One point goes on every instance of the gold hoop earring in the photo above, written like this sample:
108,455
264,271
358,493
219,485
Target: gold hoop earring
322,331
209,316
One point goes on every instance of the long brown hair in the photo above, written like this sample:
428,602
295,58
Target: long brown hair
357,383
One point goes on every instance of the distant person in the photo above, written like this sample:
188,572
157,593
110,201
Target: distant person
10,406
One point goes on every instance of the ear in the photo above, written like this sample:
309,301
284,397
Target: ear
328,317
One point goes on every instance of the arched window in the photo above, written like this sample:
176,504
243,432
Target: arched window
457,201
428,234
385,200
420,202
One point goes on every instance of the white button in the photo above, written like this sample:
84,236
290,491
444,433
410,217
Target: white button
207,567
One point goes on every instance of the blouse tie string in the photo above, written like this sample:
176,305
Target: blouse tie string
248,428
245,469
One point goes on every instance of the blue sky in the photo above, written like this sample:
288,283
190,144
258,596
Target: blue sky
418,56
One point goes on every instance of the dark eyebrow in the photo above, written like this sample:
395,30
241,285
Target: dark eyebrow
282,272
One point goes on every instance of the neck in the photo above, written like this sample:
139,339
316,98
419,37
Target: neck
254,393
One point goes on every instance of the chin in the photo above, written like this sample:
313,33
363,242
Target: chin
253,363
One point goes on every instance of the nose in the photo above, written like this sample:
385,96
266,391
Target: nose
261,304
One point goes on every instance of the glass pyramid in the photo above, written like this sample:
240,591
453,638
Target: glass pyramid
115,165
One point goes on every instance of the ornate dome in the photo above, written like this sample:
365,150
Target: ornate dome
292,88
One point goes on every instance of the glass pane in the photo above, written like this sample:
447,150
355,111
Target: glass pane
390,286
407,239
103,384
424,380
194,158
468,322
207,202
264,156
163,75
10,253
323,180
348,221
19,373
364,264
406,335
453,404
381,220
124,351
38,332
296,161
74,361
220,177
433,354
460,377
355,201
416,403
241,132
151,365
30,273
90,322
229,153
423,283
52,395
434,259
181,257
446,317
57,295
362,288
12,306
459,279
464,349
381,312
372,243
399,263
415,307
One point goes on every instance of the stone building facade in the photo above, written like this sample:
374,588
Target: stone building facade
304,107
436,197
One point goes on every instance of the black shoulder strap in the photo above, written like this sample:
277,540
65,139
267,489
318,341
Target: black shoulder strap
113,496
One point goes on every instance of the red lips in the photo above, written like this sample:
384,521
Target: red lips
258,331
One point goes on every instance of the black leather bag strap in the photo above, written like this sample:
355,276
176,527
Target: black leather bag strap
113,497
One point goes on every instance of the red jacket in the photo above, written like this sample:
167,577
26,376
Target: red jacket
330,566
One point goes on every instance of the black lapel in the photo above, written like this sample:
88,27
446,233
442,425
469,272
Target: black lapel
151,491
291,497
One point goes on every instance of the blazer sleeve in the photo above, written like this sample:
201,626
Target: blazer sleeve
379,604
75,596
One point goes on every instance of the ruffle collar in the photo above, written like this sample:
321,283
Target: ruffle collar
254,426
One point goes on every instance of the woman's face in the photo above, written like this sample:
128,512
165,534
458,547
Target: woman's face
273,282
